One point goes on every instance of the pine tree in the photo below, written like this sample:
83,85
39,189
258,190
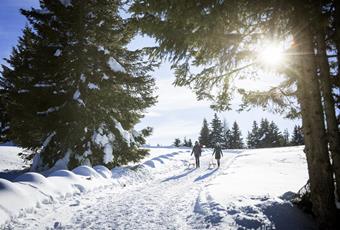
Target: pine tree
253,136
177,142
189,143
226,132
275,136
204,137
216,134
74,91
228,139
297,136
185,142
264,141
236,137
285,138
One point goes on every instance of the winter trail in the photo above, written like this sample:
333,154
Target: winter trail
165,202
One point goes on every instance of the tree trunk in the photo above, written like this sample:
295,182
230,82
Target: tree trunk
319,167
337,30
329,107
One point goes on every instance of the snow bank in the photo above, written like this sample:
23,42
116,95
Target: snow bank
31,190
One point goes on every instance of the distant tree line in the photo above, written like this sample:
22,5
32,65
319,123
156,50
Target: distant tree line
265,135
184,143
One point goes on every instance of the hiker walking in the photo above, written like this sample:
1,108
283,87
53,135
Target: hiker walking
197,150
218,153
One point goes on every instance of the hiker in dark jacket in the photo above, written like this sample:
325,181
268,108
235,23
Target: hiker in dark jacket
197,150
218,153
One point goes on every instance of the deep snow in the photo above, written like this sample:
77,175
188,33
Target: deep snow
251,190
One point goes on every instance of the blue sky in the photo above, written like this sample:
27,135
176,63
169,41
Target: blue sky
177,113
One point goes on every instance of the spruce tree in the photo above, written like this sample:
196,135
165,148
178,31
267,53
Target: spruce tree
189,143
297,136
253,136
74,90
264,140
275,136
226,132
285,138
185,142
177,142
216,134
236,141
227,138
204,137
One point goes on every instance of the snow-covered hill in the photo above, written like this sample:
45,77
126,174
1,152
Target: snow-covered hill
250,190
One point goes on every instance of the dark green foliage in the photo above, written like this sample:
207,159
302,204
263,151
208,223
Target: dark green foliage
267,135
227,139
216,134
177,142
189,143
73,89
253,137
297,136
285,138
204,137
226,136
236,141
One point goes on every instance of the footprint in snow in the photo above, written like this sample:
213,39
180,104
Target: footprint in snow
77,203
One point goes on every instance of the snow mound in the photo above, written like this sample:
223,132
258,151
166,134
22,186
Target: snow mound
103,171
63,173
14,198
32,177
86,171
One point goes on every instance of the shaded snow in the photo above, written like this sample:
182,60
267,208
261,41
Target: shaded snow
48,139
105,77
108,156
66,3
92,86
57,53
23,91
115,66
51,110
82,78
76,97
125,134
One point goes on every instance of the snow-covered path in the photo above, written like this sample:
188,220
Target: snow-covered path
165,202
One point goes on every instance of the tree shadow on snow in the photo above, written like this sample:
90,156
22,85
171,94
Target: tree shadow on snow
179,176
288,216
211,213
202,177
12,174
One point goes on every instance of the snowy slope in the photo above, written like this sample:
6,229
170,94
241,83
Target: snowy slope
250,190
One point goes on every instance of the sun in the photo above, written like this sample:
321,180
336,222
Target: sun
271,55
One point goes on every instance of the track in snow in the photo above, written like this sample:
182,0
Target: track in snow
167,202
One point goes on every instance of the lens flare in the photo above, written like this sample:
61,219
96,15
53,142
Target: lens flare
271,55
